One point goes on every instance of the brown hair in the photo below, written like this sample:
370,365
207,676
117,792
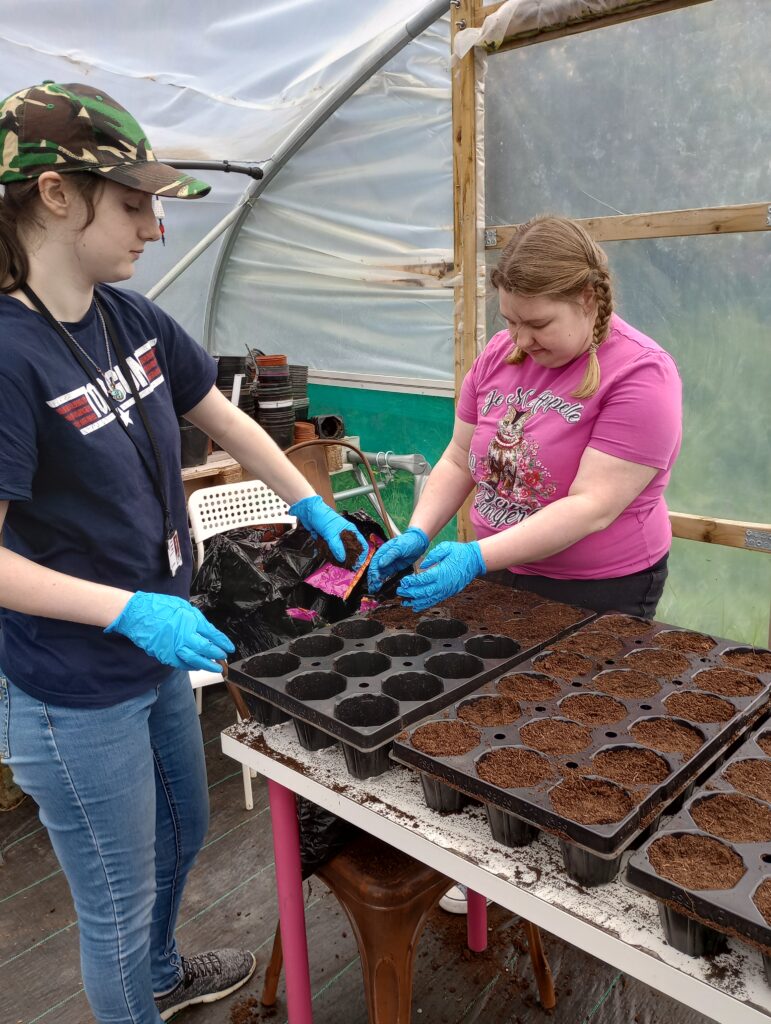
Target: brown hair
556,258
18,207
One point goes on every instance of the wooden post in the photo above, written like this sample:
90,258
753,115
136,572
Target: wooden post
467,243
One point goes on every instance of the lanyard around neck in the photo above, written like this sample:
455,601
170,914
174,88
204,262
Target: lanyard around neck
158,479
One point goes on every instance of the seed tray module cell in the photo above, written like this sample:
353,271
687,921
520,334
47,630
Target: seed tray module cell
710,864
579,741
361,681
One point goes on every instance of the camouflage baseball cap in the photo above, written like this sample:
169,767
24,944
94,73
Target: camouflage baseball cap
52,127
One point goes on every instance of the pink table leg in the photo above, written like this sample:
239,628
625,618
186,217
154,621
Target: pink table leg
286,853
477,922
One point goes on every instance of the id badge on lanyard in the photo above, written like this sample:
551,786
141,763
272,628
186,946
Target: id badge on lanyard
174,551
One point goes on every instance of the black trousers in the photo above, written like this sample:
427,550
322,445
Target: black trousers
637,594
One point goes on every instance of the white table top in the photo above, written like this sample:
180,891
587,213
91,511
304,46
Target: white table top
612,922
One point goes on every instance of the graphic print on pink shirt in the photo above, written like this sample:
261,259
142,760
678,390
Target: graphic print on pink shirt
512,470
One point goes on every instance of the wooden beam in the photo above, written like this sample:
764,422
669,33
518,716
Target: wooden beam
731,533
584,22
467,235
713,220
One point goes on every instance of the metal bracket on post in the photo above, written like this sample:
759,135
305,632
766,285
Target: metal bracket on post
491,238
758,540
768,216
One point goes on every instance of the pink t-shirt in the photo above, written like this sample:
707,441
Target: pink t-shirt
531,433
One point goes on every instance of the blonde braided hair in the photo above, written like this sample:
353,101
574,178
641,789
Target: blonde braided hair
556,258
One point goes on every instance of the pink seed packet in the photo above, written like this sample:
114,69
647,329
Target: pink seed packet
339,582
304,614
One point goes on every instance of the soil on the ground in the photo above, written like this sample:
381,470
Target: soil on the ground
552,736
728,681
762,899
696,862
624,625
683,640
700,707
630,766
591,801
525,686
490,711
591,709
593,642
564,664
734,817
751,776
445,739
751,661
666,664
669,737
627,683
514,768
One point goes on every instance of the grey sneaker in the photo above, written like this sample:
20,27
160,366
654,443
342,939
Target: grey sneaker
207,977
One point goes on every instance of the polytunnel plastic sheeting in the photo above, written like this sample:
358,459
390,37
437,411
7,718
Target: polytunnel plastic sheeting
345,261
206,81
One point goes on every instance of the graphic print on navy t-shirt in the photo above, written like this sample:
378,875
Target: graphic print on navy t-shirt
88,410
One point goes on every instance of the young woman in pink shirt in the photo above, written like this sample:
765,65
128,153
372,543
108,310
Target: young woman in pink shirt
567,428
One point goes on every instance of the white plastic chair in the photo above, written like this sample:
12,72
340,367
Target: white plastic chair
213,510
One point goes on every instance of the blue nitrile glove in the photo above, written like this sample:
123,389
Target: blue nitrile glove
173,631
451,567
396,554
322,521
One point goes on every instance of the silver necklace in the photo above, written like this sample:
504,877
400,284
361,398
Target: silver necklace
114,387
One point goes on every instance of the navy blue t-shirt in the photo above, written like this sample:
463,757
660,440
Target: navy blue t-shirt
81,500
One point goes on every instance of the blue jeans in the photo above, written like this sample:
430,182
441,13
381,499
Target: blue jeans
122,791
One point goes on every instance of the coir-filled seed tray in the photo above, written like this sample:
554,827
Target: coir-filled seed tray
592,737
361,681
711,863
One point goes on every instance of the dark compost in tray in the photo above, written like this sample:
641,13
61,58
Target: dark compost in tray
615,722
364,679
710,864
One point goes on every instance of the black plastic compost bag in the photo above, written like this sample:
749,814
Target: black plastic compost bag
246,584
322,835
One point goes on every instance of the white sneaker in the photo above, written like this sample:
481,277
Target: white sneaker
454,900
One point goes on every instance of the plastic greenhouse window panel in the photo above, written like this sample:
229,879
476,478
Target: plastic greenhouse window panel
616,924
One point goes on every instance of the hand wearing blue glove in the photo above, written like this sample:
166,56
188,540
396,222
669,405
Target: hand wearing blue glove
396,554
322,521
171,630
451,567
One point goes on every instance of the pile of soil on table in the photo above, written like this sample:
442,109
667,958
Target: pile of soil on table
696,862
624,625
527,686
700,707
592,642
751,661
630,766
553,736
665,664
733,817
762,899
445,739
591,801
591,709
490,711
682,640
626,683
751,776
514,768
564,664
728,681
667,736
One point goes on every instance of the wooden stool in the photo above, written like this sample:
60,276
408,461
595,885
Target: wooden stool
387,897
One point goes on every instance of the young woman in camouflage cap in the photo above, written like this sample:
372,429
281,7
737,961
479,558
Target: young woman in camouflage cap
97,716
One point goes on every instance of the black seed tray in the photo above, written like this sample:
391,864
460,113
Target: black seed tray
361,682
592,852
708,915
